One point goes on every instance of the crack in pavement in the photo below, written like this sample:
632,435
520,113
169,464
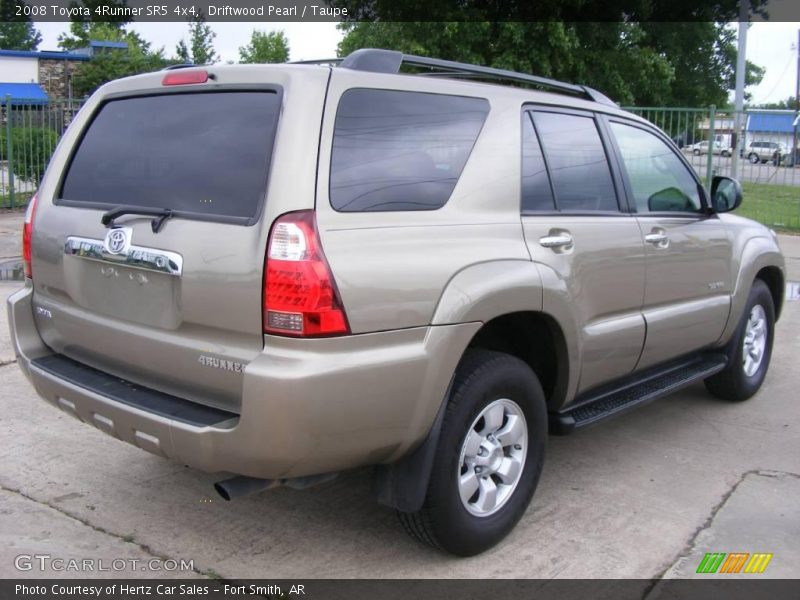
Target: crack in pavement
690,545
8,362
123,538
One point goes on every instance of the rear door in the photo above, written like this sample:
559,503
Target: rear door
588,248
688,281
175,307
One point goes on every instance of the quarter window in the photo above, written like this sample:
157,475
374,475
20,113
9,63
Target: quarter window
577,162
660,182
396,150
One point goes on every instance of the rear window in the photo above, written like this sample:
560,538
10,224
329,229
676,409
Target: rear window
397,150
204,154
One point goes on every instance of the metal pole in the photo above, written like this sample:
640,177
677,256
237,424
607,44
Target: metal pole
9,153
710,167
792,158
741,68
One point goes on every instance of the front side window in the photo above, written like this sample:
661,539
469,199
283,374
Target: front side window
395,150
660,182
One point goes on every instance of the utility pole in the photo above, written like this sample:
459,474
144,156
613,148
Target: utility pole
741,67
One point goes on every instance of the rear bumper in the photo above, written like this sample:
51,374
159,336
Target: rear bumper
308,406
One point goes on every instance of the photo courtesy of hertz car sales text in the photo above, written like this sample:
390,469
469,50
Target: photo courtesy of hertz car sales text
367,268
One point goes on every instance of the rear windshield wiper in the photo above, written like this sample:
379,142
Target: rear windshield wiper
160,214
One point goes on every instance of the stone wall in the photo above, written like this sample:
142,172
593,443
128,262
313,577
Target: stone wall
54,76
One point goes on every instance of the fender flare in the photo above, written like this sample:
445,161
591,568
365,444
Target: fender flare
477,293
757,254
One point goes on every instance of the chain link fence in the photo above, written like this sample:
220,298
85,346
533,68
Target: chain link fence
29,134
760,151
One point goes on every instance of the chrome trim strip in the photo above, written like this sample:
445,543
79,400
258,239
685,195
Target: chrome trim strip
137,257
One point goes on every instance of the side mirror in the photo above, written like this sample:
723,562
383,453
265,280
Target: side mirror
726,194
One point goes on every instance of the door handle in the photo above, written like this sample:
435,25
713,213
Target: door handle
656,238
562,240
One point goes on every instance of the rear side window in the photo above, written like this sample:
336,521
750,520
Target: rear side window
577,162
396,150
206,154
536,191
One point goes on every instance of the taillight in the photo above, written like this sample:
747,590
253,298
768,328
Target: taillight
300,296
185,77
27,232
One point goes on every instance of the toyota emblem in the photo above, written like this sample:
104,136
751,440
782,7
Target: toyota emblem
117,241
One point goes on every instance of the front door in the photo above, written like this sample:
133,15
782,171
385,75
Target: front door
688,274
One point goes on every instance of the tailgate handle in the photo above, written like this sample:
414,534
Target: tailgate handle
137,257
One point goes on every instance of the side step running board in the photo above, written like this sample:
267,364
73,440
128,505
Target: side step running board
634,391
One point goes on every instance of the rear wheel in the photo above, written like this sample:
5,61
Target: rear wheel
753,157
489,458
750,349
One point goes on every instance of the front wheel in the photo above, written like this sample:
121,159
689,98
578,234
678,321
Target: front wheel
489,457
754,158
750,349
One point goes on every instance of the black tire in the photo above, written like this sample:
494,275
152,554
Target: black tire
733,383
753,158
696,152
444,522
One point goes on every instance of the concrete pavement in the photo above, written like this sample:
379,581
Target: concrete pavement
641,496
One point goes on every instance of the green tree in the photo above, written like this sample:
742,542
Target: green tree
703,57
685,64
789,104
82,31
607,56
272,47
200,49
113,65
17,32
137,57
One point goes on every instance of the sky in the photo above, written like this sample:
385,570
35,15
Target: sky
769,45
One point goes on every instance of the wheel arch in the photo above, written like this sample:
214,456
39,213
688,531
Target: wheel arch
760,258
402,485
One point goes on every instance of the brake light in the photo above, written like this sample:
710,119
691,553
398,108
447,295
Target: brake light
300,295
27,232
185,77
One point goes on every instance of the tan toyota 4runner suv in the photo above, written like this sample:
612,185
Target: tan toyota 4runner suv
282,272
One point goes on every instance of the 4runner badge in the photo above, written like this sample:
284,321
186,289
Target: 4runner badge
118,240
218,363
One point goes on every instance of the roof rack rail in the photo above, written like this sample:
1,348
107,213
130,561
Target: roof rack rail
390,61
180,66
318,61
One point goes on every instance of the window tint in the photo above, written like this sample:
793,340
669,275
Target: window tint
536,191
659,180
199,153
577,162
400,150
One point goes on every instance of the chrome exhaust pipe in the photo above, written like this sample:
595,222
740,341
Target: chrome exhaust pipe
239,486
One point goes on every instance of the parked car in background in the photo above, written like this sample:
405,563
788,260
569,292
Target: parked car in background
762,151
702,148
